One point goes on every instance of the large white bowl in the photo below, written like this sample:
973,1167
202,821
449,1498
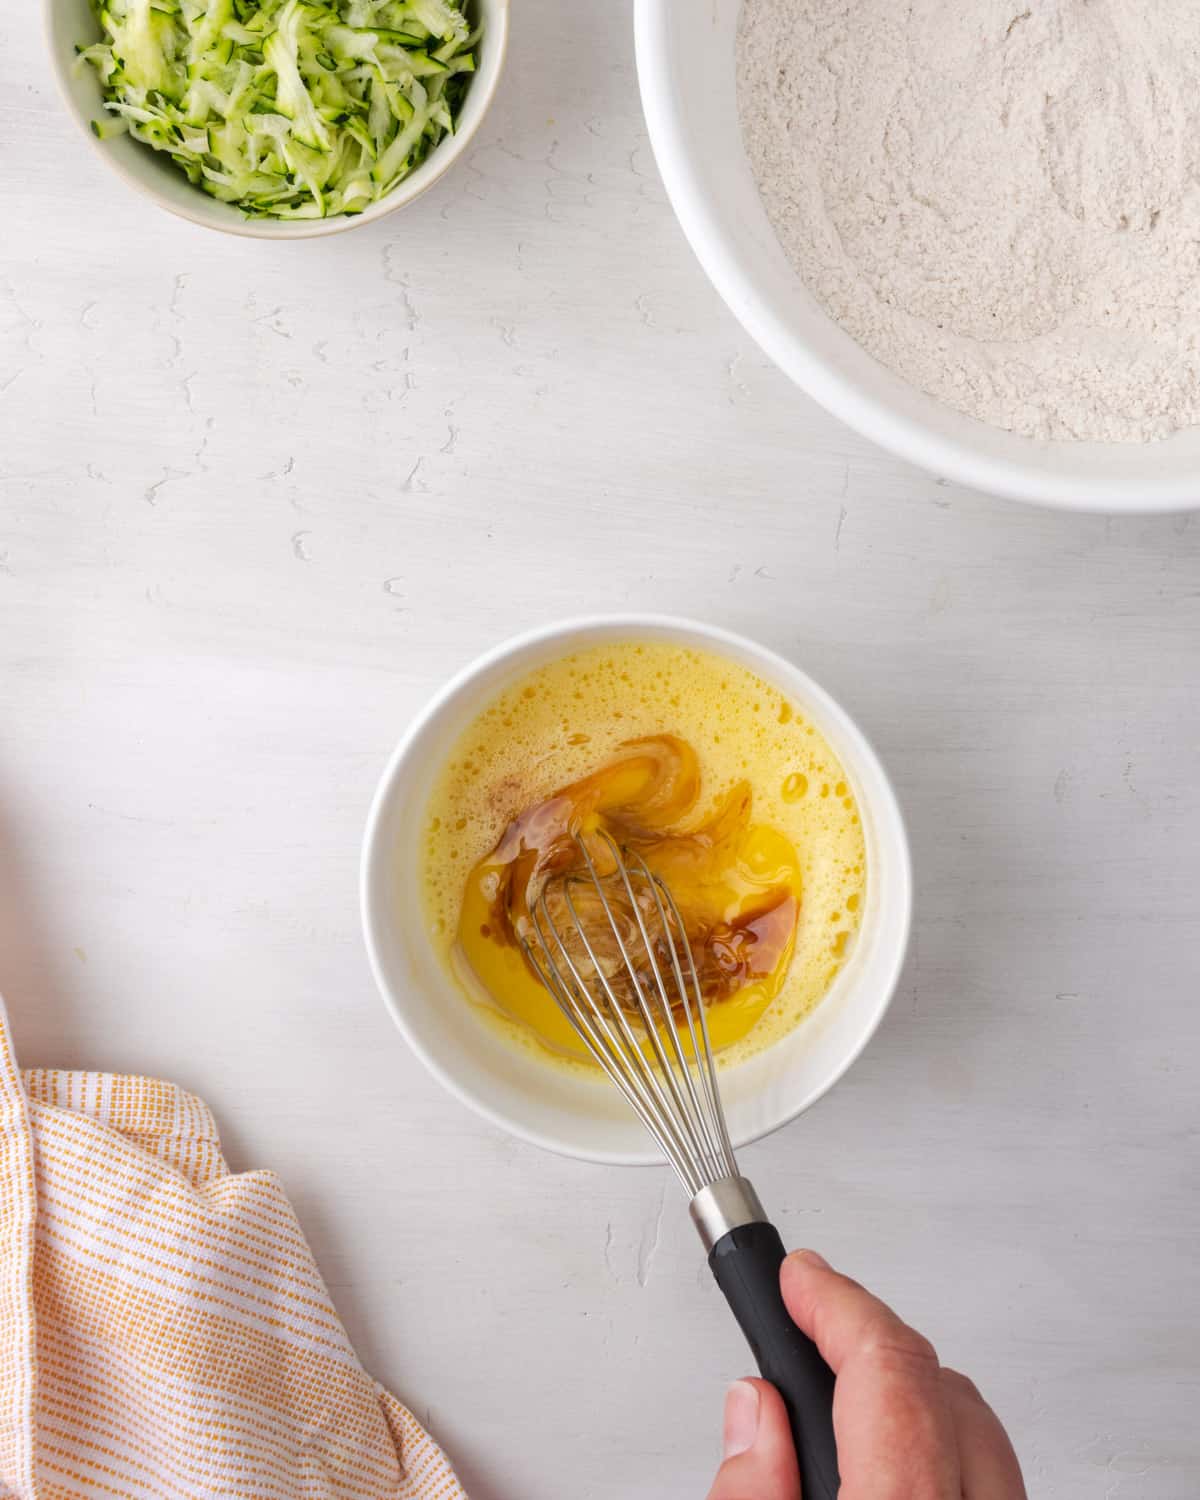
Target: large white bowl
686,66
550,1106
69,22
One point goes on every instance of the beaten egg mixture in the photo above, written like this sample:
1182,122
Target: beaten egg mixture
707,772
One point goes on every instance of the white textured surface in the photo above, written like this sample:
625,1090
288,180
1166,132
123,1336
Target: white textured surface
258,502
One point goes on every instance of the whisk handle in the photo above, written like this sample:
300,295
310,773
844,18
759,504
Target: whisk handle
746,1262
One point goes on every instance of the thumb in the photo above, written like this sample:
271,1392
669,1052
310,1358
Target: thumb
760,1458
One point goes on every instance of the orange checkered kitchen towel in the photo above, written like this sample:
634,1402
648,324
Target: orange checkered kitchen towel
164,1330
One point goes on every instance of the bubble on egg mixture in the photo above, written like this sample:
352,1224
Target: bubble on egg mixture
563,720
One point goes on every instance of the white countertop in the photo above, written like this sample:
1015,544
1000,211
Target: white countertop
259,500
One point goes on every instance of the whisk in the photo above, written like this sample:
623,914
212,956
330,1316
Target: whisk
625,978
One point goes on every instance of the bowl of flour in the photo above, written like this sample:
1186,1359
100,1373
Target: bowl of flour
970,231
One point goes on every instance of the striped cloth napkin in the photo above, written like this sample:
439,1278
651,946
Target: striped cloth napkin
164,1330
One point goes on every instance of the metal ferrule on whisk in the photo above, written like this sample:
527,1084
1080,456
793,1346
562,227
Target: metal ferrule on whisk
725,1205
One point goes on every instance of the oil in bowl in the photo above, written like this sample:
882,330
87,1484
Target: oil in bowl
720,781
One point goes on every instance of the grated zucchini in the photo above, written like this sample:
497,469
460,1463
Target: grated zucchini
288,109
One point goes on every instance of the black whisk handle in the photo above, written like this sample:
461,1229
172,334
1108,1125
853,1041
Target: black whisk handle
746,1263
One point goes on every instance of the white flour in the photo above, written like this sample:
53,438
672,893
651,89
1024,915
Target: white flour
999,199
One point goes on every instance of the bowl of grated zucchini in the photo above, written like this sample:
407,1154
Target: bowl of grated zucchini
279,119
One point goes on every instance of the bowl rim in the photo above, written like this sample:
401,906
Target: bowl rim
872,417
449,149
885,804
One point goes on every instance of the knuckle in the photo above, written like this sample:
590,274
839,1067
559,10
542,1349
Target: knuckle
962,1385
894,1342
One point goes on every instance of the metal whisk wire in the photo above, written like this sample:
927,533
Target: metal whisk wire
679,1104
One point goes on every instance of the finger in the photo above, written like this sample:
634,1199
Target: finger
986,1459
760,1459
842,1317
891,1415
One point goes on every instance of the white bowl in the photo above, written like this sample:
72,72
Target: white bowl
552,1107
69,22
686,67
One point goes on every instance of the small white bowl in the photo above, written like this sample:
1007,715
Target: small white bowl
552,1107
686,62
69,22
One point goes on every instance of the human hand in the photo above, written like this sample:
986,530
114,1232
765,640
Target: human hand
906,1428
